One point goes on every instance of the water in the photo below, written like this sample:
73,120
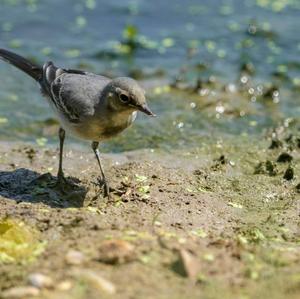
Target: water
204,37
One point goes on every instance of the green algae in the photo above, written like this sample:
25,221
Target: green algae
18,242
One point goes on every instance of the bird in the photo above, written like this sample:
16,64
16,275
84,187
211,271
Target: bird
89,106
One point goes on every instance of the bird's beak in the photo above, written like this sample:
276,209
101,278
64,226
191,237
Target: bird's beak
144,108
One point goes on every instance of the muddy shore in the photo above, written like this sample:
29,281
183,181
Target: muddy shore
209,209
209,223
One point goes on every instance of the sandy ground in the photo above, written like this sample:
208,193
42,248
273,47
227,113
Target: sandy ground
199,224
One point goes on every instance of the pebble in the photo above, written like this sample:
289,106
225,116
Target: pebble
96,280
64,285
74,257
289,174
284,157
116,251
189,263
40,280
20,292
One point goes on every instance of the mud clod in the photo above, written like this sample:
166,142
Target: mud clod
95,280
188,264
289,174
284,158
267,167
275,143
40,280
116,252
75,257
20,292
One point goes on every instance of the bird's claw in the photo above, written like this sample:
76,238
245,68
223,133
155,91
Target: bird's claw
61,182
106,188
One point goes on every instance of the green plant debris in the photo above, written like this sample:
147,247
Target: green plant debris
41,141
161,89
18,242
46,51
145,259
3,120
199,233
190,190
90,4
209,257
15,43
72,53
201,278
130,32
94,210
276,5
167,234
118,203
13,97
81,21
168,42
144,189
252,274
140,178
242,240
253,235
235,205
131,235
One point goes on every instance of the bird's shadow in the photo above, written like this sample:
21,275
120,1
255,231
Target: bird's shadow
24,185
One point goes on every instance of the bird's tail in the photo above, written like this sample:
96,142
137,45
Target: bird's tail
21,63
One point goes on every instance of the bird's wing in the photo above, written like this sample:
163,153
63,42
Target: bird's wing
74,93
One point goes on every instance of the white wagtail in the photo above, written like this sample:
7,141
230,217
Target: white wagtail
89,106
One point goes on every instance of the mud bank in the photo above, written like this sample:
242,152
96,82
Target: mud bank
215,222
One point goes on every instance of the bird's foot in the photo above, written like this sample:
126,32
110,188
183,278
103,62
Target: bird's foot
105,185
61,183
61,178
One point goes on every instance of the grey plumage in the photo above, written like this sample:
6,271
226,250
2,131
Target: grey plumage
90,106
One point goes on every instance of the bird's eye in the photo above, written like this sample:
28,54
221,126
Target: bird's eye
124,98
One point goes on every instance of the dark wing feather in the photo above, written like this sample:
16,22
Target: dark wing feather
51,86
33,70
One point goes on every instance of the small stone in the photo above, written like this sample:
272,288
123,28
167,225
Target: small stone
259,168
289,174
222,159
40,280
298,188
64,285
284,157
276,143
96,280
271,168
74,257
270,92
116,252
189,263
267,167
20,292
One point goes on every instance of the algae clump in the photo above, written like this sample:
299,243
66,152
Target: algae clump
18,242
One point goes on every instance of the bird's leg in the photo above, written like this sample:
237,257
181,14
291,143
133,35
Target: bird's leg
60,173
95,145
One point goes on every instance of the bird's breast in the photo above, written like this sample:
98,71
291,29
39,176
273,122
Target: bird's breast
117,125
101,128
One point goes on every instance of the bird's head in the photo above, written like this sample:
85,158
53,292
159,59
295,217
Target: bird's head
124,94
